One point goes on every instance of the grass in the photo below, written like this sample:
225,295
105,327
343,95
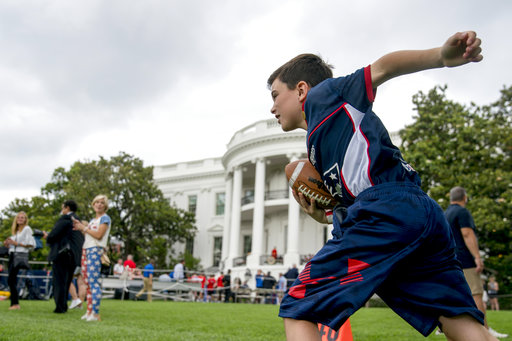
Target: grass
130,320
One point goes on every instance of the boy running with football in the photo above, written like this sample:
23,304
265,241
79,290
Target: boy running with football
389,237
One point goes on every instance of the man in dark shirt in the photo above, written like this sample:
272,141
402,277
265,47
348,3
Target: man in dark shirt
291,275
226,282
268,283
468,253
66,246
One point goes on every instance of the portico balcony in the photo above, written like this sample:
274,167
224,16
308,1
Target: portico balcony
269,195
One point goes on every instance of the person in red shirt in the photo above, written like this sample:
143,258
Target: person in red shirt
129,265
203,288
220,286
210,287
274,252
129,262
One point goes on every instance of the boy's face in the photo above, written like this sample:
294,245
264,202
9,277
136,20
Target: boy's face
287,106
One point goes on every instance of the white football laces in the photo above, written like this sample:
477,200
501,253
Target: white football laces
318,198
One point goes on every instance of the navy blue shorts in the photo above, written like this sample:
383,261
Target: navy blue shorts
396,242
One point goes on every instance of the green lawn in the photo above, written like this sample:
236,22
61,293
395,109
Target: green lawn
130,320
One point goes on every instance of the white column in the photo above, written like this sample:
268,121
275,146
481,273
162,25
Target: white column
292,255
227,218
258,215
236,206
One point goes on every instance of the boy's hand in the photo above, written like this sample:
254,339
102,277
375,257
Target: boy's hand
316,213
461,48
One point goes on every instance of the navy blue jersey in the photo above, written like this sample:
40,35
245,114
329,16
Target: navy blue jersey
459,217
347,143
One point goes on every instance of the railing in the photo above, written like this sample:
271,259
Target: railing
305,258
239,261
269,195
270,260
281,194
248,199
41,280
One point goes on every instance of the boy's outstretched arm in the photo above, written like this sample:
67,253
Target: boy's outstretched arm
459,49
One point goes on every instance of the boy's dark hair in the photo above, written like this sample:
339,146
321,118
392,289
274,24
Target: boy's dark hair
71,204
305,67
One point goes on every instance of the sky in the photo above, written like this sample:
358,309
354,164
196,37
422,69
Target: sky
172,81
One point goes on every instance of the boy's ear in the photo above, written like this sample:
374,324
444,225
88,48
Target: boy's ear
302,89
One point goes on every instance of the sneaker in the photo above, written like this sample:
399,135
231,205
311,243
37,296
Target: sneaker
75,304
496,334
93,317
85,316
439,332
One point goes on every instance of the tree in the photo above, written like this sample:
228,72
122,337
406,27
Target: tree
141,217
450,144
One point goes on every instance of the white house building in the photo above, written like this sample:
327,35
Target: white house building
243,205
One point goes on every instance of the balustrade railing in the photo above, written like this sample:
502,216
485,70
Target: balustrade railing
239,261
269,195
270,260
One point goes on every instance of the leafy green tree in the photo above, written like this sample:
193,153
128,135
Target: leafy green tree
455,145
141,217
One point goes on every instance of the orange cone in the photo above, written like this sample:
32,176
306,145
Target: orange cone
343,334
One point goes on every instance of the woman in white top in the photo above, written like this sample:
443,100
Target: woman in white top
96,238
20,242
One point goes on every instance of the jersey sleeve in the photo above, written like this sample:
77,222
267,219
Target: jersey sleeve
357,88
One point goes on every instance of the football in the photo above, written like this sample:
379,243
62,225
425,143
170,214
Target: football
303,177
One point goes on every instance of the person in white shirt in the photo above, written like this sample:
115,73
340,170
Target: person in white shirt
119,268
96,239
21,242
179,271
281,287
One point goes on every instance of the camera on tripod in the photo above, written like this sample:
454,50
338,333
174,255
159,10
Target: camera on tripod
37,233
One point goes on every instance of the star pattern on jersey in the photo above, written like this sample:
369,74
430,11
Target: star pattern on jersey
332,181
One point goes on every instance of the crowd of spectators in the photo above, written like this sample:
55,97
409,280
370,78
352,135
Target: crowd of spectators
218,287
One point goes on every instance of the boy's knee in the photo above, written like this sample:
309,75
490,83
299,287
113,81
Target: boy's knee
464,327
300,330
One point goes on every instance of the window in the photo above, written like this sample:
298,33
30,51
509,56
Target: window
248,197
192,203
247,244
217,250
189,246
220,200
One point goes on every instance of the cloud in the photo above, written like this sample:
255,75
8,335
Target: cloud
171,81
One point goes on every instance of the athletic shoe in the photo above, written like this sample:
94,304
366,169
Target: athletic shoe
93,317
439,332
496,334
75,304
85,316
